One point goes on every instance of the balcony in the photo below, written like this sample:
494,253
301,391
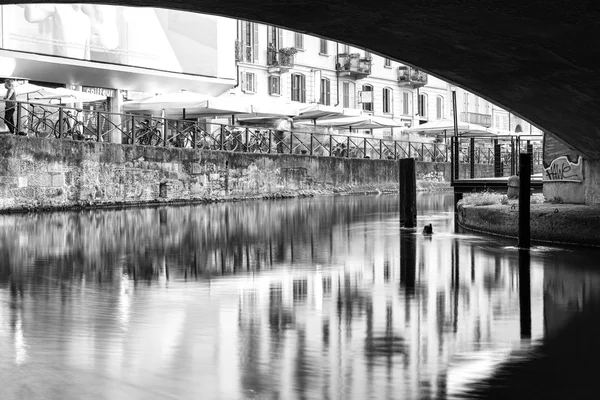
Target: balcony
476,118
243,53
239,51
280,60
409,76
353,65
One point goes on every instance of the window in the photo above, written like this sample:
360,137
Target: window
299,41
274,85
367,97
387,100
249,39
325,92
348,95
439,107
405,103
345,49
423,105
323,47
387,63
368,55
249,82
299,88
274,37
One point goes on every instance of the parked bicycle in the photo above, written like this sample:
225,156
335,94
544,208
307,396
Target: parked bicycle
71,126
258,142
41,126
148,132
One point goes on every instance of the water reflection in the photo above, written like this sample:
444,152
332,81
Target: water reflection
314,298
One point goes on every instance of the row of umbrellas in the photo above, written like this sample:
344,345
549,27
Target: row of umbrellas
194,105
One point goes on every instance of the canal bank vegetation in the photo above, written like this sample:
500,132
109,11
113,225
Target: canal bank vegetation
489,198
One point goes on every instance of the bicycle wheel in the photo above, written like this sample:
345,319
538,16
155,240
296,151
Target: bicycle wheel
43,128
66,131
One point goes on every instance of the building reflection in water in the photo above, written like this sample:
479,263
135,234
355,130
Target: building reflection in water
314,298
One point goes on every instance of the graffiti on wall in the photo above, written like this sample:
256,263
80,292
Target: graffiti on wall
561,169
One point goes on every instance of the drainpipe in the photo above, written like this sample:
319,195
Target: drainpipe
237,63
337,86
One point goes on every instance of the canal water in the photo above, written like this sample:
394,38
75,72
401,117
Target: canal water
323,298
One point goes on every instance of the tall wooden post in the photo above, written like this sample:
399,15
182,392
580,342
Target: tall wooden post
498,168
472,156
408,193
524,200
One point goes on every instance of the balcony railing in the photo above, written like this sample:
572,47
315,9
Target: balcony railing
282,58
476,118
409,76
353,65
239,51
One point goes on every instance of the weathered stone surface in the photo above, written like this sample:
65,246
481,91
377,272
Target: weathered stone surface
96,174
554,223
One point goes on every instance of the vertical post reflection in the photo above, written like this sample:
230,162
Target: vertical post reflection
525,293
455,283
408,261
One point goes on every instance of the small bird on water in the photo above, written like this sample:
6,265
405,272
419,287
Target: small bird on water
428,230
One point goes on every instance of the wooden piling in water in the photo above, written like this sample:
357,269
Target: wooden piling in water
408,192
524,240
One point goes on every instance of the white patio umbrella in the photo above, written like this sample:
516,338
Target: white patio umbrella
364,121
188,104
318,111
445,126
266,109
170,102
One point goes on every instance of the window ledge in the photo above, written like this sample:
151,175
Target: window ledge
324,54
387,66
299,49
275,94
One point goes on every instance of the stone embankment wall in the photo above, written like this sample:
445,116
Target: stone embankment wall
54,174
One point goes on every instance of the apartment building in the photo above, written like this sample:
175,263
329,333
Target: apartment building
275,64
278,65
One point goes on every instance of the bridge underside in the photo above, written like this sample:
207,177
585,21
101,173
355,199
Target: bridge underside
535,58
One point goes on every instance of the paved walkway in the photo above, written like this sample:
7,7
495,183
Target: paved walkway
550,223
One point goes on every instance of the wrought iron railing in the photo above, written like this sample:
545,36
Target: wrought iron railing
476,118
354,64
42,120
283,58
411,76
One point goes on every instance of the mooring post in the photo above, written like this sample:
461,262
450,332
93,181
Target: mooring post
408,192
524,200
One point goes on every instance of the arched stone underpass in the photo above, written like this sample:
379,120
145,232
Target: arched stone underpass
535,58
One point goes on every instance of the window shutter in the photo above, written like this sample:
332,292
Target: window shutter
294,87
327,92
279,38
270,84
269,34
243,79
242,39
303,89
255,42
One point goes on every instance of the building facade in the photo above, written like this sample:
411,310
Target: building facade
278,65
